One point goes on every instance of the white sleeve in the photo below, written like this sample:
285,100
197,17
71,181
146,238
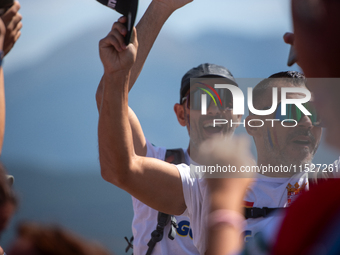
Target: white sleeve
188,185
197,203
155,152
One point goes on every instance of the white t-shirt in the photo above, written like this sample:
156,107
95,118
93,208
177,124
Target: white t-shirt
270,231
272,192
265,192
145,222
196,196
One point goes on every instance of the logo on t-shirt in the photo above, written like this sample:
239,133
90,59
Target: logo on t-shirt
293,191
248,204
184,229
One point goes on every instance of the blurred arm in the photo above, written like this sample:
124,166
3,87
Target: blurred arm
226,193
226,196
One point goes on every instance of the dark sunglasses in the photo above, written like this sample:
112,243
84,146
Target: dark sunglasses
293,112
222,98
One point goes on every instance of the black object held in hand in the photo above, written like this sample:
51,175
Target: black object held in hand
126,7
5,5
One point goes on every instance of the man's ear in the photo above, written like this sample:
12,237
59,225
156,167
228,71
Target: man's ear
251,130
179,110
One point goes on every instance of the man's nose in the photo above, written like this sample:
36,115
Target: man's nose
213,109
305,122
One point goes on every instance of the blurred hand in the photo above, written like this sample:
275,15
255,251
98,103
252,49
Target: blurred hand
227,188
12,21
173,5
232,150
114,54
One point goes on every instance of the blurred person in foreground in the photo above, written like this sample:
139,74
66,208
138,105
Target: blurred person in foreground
10,25
8,201
316,40
38,239
311,225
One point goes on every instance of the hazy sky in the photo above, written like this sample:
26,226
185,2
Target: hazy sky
48,23
60,50
53,28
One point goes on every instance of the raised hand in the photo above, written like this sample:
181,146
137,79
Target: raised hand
232,150
114,54
12,21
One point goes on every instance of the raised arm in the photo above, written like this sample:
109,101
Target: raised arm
140,176
148,29
139,141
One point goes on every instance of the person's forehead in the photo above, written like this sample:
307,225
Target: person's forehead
267,97
280,84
